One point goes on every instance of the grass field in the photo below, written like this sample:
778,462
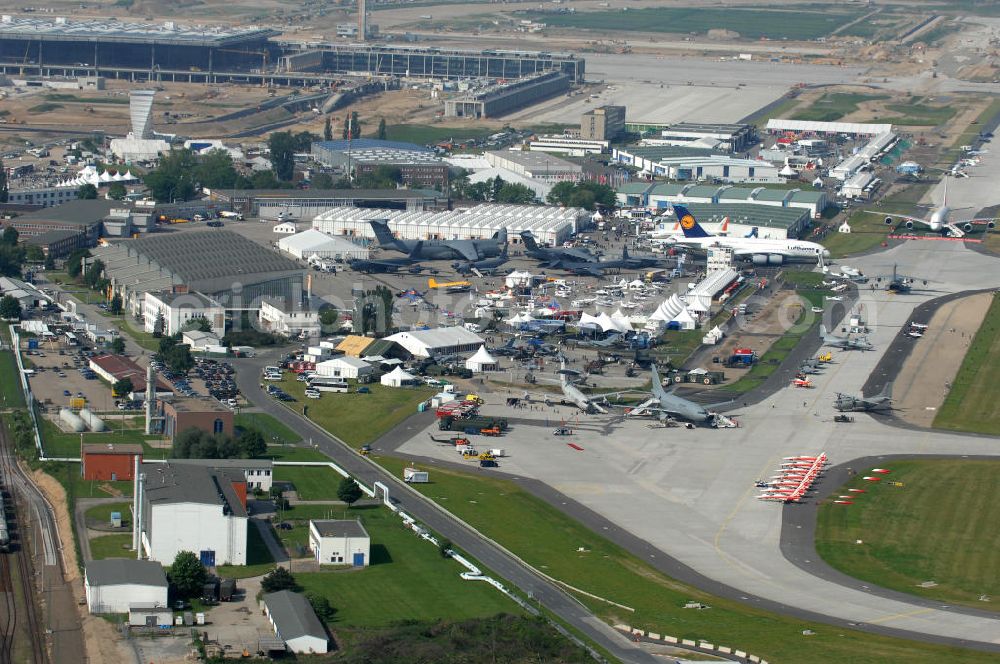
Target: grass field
259,559
10,384
833,106
916,112
358,419
59,444
68,474
293,453
911,535
101,514
568,551
111,546
971,404
274,431
749,23
870,230
430,135
312,482
409,578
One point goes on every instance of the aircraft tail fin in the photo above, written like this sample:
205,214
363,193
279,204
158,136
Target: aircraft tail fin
657,387
384,235
624,253
501,237
886,392
689,225
415,251
529,240
432,283
823,333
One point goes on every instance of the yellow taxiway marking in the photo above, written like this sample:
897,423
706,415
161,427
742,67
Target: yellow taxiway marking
896,616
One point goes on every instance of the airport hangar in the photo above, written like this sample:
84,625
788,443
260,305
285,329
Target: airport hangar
220,264
552,225
59,46
300,204
662,194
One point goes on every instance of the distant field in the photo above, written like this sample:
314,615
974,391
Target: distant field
971,404
833,106
430,134
749,23
311,482
910,533
916,112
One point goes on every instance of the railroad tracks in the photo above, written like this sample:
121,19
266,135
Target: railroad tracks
19,618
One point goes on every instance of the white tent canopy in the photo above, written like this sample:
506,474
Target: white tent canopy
482,361
397,378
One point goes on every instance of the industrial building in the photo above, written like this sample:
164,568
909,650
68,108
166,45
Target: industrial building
503,98
298,204
27,295
705,166
438,341
192,506
852,165
739,219
81,216
207,415
44,196
220,264
294,622
660,195
340,542
570,145
604,123
114,585
258,473
723,137
553,225
419,167
110,462
178,307
535,165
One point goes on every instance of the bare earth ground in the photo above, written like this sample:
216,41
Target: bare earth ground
939,353
100,639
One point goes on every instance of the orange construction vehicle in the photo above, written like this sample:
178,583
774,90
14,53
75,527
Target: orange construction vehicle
492,431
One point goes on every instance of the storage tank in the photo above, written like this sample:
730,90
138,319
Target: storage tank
72,420
93,422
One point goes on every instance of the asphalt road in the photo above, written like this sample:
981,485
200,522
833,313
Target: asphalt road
488,553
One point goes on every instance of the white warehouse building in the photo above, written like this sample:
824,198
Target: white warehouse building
438,341
312,242
340,542
553,225
113,584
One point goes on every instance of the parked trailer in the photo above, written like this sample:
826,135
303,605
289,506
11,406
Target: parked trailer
476,424
412,475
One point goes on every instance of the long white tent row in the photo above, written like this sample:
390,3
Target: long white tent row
89,175
553,225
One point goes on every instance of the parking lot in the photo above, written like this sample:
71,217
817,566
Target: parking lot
59,377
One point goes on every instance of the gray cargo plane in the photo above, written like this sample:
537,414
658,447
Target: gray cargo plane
465,250
487,266
666,403
843,343
881,401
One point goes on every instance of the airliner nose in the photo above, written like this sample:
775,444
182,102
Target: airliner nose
826,253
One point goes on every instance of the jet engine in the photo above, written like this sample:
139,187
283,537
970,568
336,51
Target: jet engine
967,228
888,221
768,259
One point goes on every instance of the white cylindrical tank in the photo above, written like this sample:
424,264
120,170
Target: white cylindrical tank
72,420
93,422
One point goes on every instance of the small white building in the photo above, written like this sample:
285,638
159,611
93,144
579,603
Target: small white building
113,584
344,367
294,622
202,341
149,615
482,361
179,308
286,228
276,316
398,377
438,341
339,542
317,243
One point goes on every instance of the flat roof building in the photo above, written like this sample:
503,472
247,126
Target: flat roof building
114,585
604,123
81,216
419,166
340,542
660,195
536,165
110,462
503,98
178,308
725,137
269,203
206,415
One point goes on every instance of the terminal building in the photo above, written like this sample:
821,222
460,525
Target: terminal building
501,99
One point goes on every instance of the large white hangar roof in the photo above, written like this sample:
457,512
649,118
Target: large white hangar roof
859,128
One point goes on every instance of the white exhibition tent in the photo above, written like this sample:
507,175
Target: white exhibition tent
397,378
482,361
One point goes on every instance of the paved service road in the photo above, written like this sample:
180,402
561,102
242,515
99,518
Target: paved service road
489,554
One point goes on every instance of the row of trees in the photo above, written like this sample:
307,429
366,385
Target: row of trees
494,190
198,444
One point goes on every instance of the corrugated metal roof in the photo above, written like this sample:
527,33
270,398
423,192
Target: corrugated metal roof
293,616
119,571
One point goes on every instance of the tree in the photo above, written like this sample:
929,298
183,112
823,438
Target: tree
117,346
33,253
178,358
115,306
94,273
458,183
74,262
188,574
251,443
348,491
322,181
173,180
381,177
352,126
278,579
514,193
321,605
587,195
122,387
199,323
381,133
327,130
86,192
159,325
4,191
282,146
444,546
10,237
496,184
50,262
264,180
215,170
10,308
328,317
117,191
302,141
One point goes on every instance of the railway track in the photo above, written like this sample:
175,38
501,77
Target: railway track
16,620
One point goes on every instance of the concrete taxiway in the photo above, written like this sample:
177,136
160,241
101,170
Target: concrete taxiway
690,493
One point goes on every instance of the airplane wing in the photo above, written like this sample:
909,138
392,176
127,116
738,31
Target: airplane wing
585,269
901,217
466,248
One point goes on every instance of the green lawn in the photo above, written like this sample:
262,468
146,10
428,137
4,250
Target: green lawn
68,474
273,430
10,384
298,517
358,419
111,546
294,453
59,444
431,135
568,551
916,112
259,559
971,404
749,23
101,514
136,333
312,482
910,534
409,578
834,105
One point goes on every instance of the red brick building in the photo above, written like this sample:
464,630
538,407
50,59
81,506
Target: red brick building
110,462
205,414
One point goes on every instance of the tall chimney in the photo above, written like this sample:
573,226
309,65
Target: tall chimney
150,396
137,506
